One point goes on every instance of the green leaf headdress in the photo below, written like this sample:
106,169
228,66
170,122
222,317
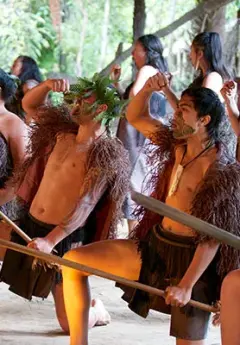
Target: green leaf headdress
105,94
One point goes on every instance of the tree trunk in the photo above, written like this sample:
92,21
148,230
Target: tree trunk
217,21
82,38
237,56
172,11
104,33
210,6
55,12
58,10
213,21
139,19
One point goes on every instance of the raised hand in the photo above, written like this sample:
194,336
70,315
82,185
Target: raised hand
157,83
229,90
57,85
115,72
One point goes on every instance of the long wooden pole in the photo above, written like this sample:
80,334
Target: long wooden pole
186,219
52,259
16,228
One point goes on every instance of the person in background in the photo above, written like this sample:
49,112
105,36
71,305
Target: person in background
13,142
207,59
28,75
148,58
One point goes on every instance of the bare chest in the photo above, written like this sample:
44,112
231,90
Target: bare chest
68,158
185,182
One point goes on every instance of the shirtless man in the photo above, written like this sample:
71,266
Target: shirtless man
13,140
77,174
169,255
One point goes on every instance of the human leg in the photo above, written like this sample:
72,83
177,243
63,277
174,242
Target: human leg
230,309
118,257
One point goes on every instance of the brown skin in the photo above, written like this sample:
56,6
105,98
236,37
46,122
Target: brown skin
230,309
121,257
230,291
66,171
66,182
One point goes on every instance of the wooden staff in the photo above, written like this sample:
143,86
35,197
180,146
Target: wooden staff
52,259
186,219
16,228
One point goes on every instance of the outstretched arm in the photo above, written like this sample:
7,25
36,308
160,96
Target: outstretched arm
37,96
137,110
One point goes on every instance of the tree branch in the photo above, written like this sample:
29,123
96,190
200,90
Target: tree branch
201,9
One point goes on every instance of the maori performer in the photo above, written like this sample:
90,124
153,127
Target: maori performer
79,195
191,172
13,141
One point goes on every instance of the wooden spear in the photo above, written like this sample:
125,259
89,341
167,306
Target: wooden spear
186,219
52,259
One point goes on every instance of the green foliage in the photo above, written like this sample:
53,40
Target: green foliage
22,31
100,86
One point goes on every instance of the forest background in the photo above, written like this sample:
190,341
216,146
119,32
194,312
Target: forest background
80,37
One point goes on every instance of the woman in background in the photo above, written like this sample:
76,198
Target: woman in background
28,75
148,57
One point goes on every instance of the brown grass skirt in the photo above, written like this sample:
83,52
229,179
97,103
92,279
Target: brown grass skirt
165,259
17,270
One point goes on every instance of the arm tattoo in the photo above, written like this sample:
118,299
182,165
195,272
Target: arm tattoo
92,189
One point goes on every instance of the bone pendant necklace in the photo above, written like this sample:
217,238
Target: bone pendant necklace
176,180
180,168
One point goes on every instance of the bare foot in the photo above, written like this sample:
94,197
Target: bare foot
103,316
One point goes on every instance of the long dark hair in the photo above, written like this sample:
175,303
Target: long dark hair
210,44
29,69
154,51
8,86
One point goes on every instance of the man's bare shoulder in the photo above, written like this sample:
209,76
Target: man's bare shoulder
66,137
